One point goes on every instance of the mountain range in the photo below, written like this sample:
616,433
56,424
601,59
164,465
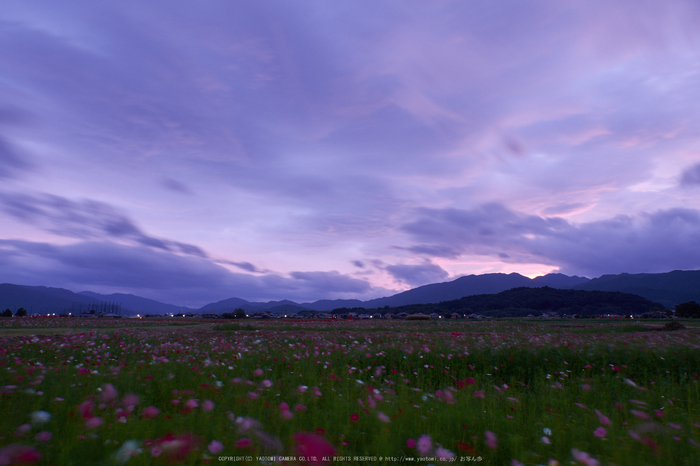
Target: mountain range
668,289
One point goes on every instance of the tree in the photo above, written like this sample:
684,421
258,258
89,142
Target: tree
689,309
7,313
21,312
239,313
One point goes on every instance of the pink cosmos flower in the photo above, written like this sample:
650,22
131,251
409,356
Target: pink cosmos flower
43,436
600,432
94,422
312,445
208,405
603,419
284,411
18,454
192,403
85,409
383,417
178,447
444,454
151,412
267,383
109,393
491,439
479,394
258,372
215,447
639,414
156,451
23,429
300,407
584,458
411,443
130,400
354,417
425,444
246,423
242,443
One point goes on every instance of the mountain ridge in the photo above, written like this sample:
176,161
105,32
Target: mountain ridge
667,288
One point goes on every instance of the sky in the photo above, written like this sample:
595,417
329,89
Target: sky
195,151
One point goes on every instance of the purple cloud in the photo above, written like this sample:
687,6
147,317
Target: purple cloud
85,220
691,176
416,275
10,161
175,186
647,242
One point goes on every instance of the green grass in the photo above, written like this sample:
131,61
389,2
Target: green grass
532,375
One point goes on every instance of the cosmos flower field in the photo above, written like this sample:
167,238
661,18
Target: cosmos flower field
372,392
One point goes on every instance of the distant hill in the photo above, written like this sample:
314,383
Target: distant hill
137,304
231,304
42,299
226,305
559,280
328,304
669,288
455,289
523,301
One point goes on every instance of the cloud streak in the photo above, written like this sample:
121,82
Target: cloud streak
10,161
85,219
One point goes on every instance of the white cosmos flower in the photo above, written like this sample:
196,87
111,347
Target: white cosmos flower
40,417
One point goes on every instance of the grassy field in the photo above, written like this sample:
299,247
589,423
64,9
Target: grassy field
503,392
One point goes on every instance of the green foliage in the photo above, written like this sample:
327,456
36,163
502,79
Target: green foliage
236,314
675,325
691,309
7,313
21,312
